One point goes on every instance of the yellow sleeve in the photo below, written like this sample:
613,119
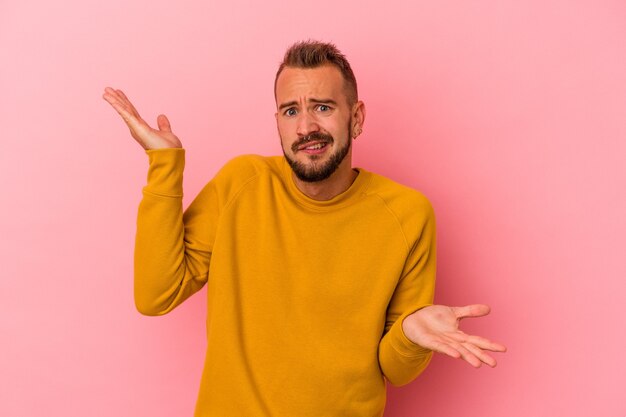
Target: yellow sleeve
172,249
400,359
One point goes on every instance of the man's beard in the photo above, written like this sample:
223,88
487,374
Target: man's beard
318,172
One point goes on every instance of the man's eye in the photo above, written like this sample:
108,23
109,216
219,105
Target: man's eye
290,112
323,107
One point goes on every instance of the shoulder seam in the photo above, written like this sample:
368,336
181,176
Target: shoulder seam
395,217
236,194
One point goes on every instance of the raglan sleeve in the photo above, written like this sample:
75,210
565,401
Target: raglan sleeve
400,359
172,247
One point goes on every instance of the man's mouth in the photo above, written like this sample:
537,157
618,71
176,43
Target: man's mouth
314,143
313,146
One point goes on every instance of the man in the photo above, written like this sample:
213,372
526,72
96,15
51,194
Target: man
320,275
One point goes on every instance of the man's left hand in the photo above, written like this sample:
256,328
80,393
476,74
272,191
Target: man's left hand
437,328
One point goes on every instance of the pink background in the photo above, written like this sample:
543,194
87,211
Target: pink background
510,115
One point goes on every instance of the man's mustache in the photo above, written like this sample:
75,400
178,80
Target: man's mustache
315,136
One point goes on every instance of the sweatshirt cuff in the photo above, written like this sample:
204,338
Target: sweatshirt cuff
165,173
401,342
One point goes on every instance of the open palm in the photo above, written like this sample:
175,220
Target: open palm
437,328
147,137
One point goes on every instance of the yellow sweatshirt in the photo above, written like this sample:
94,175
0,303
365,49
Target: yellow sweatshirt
305,298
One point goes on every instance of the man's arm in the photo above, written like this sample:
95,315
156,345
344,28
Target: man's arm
171,251
416,328
401,360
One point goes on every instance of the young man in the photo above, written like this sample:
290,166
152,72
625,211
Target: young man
320,275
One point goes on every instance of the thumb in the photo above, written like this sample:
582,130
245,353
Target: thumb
163,123
473,310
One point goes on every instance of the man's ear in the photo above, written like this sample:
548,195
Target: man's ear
358,118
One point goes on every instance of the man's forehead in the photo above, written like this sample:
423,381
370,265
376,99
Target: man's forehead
295,82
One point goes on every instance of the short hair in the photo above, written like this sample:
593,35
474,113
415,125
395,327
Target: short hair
313,54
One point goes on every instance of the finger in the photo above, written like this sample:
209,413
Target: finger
463,353
115,93
164,123
117,105
110,94
121,98
486,344
443,348
481,342
128,103
469,356
110,90
483,356
472,310
112,98
130,120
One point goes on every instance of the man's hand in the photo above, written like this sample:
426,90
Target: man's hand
147,137
437,328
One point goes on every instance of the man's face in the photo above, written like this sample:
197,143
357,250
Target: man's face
314,121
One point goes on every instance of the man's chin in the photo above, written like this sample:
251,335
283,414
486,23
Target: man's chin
316,167
308,172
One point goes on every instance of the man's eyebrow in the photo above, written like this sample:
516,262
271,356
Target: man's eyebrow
311,100
288,104
323,101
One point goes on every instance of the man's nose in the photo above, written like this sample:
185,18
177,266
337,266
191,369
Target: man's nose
307,124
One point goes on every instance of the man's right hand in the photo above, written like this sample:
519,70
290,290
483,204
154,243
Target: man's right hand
147,137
